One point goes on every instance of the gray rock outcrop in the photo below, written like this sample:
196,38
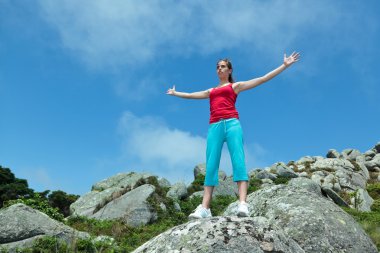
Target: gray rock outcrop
283,171
226,187
223,235
21,225
121,197
178,191
104,191
132,208
314,222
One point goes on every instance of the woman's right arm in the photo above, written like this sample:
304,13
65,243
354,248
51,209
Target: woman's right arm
194,95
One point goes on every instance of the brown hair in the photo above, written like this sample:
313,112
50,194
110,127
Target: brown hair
229,65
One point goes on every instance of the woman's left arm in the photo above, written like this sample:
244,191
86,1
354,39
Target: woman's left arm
246,85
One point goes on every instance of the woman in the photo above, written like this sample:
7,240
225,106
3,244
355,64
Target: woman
225,127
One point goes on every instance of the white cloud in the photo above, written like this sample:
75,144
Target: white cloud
149,144
104,33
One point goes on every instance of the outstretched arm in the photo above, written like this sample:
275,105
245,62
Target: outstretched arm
193,95
246,85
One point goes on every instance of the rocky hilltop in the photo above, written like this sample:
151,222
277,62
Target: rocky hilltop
297,208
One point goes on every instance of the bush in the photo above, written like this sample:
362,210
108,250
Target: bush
62,201
12,187
374,190
38,203
281,180
254,185
49,244
376,206
197,184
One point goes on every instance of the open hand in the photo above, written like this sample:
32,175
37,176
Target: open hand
171,91
294,57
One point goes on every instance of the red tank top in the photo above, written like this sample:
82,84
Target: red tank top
222,103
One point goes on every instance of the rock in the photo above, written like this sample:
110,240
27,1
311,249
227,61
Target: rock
314,222
364,201
120,180
283,171
335,197
201,169
307,184
350,154
377,148
369,155
332,164
21,225
223,235
177,207
163,182
350,180
105,191
132,208
265,174
303,174
364,171
305,159
332,153
226,187
373,164
178,191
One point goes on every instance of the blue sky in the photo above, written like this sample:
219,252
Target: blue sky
83,83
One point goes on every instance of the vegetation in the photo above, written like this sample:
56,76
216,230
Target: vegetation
12,187
254,185
370,221
124,238
38,203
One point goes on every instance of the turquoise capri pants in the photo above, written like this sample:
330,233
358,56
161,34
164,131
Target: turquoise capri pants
230,131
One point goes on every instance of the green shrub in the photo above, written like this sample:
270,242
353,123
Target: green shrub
376,206
374,190
49,244
197,184
281,180
38,203
254,185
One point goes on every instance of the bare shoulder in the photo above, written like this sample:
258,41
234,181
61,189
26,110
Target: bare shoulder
236,87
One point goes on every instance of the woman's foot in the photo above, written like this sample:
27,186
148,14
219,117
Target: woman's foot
200,212
242,210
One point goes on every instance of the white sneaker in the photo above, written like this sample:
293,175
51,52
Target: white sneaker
200,212
242,210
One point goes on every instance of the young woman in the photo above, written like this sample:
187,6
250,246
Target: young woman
225,127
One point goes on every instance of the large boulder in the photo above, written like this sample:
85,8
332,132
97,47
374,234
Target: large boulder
283,171
177,191
350,154
223,235
226,187
106,191
200,169
21,225
314,222
132,208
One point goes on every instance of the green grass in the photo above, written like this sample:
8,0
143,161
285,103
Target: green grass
370,222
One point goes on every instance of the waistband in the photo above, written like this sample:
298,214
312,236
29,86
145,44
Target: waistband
224,120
